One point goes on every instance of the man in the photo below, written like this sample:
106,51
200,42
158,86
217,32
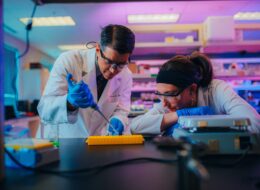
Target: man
82,79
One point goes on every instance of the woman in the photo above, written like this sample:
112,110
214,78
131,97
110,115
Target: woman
185,87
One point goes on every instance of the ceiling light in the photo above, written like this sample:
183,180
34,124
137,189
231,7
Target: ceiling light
50,21
153,18
71,47
247,16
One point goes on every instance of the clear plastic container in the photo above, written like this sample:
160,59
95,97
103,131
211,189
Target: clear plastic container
51,132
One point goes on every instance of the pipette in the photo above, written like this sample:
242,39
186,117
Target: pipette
96,108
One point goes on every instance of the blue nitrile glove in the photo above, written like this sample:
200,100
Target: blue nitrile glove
169,131
118,127
203,110
79,95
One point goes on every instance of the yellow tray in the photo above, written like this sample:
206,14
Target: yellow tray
115,140
29,143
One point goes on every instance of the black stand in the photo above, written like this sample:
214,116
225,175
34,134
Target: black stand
190,171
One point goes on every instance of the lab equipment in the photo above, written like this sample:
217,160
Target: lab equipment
115,140
190,170
96,108
27,151
30,152
223,134
203,110
218,122
52,134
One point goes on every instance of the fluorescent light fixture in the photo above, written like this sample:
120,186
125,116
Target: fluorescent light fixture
153,18
50,21
247,16
71,47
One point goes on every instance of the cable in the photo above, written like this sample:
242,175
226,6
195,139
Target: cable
14,87
28,29
233,163
96,168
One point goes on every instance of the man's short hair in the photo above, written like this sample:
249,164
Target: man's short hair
117,37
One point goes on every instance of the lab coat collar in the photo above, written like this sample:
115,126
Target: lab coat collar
112,84
91,76
110,89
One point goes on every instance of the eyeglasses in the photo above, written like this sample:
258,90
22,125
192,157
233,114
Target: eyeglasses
169,95
114,65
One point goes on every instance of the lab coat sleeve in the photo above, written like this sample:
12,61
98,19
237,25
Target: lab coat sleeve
53,104
149,123
124,100
232,104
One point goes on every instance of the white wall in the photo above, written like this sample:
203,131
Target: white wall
29,81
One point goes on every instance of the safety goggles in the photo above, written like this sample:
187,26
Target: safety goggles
114,65
169,95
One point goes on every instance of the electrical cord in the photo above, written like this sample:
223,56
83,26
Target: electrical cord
14,87
90,169
28,29
232,164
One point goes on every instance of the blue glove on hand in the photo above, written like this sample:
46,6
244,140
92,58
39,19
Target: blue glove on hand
79,95
203,110
169,131
118,127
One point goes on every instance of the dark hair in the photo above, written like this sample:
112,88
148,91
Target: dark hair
182,71
118,37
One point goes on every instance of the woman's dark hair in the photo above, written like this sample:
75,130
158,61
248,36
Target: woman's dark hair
182,71
118,37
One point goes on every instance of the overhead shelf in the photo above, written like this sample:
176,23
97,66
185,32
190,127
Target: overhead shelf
143,89
198,42
235,77
144,76
167,44
247,87
237,88
226,77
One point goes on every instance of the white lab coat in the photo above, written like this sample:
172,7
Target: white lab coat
114,101
218,95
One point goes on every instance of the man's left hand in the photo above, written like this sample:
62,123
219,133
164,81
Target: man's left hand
117,128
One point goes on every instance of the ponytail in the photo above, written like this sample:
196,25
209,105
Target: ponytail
205,67
183,71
